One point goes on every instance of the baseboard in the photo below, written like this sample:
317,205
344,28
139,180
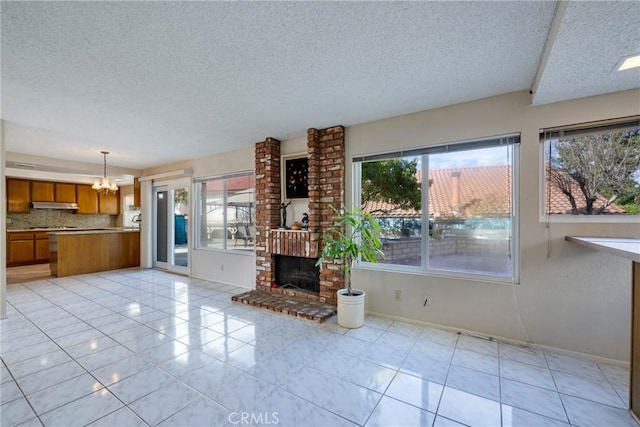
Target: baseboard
544,348
222,282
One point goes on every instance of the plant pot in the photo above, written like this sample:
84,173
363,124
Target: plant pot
351,308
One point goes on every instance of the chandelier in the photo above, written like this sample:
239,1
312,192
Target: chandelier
105,184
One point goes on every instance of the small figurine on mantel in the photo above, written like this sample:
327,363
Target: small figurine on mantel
305,221
283,208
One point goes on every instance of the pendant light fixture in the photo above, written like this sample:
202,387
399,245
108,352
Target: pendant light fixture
105,184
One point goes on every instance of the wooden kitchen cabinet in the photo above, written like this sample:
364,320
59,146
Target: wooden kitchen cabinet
80,253
42,191
109,203
87,199
136,192
18,195
27,248
20,252
20,249
65,193
41,247
129,250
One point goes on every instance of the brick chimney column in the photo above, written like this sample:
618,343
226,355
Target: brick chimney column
267,164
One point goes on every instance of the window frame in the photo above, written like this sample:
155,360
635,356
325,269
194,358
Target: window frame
197,182
424,269
547,133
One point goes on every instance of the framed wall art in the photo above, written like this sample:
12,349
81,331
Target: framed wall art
295,178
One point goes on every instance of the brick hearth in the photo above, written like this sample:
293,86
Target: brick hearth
325,149
286,304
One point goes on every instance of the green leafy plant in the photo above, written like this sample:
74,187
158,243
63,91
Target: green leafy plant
353,236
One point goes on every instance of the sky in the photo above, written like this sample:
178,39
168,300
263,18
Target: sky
495,156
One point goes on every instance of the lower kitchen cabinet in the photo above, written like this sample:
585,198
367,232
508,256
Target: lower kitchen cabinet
25,248
20,252
42,247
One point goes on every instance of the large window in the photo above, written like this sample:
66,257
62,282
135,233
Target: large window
446,209
593,170
226,212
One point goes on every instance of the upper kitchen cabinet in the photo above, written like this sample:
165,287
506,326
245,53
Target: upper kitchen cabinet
87,199
42,191
18,195
109,203
136,192
65,193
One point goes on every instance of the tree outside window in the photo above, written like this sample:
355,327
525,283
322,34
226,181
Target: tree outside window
596,173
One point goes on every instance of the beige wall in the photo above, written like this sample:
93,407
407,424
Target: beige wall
573,299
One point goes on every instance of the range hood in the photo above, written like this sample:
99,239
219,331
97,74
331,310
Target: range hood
54,205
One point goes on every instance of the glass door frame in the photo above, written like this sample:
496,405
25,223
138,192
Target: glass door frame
170,187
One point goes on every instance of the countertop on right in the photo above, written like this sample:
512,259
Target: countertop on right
625,247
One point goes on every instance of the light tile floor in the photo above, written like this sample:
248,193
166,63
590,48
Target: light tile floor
144,347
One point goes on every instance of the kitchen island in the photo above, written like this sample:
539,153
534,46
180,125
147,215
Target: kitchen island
628,248
81,252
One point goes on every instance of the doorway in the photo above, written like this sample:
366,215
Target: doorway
171,226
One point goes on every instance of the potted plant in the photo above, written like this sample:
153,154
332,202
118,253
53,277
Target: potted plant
352,237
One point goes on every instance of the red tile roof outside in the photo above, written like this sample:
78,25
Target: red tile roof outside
484,192
559,203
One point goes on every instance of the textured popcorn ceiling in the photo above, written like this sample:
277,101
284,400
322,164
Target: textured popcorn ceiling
590,41
155,83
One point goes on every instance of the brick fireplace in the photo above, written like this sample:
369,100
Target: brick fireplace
326,171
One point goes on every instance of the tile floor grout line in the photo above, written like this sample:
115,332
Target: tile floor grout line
444,385
24,396
553,378
624,401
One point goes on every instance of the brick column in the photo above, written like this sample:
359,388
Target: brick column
331,180
267,207
313,184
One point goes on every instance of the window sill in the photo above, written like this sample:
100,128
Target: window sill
245,252
590,219
418,271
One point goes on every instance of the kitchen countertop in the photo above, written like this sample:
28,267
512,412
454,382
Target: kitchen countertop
106,230
75,230
624,247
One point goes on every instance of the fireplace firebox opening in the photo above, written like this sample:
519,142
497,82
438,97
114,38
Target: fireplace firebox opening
297,273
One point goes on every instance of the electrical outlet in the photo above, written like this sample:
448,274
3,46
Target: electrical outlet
398,294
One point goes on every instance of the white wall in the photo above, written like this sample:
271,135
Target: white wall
575,299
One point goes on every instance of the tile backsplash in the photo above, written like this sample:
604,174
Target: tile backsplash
58,218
